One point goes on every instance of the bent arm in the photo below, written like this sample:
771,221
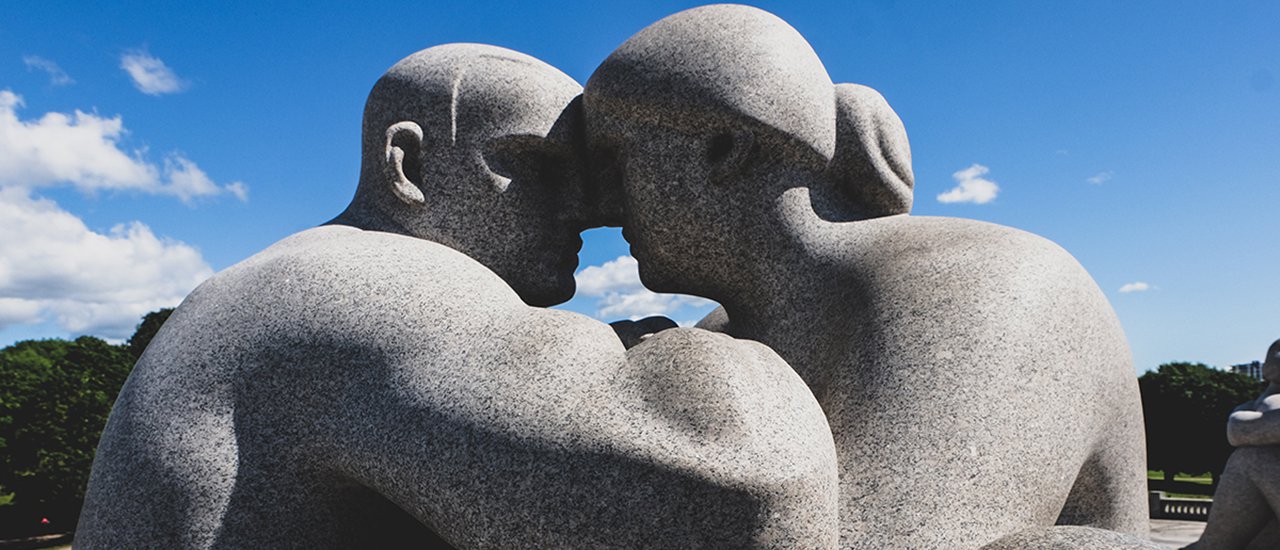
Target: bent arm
1253,429
732,415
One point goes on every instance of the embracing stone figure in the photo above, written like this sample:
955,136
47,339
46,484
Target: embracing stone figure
384,379
976,380
1246,504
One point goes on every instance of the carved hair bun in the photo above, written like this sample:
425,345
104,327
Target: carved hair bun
872,163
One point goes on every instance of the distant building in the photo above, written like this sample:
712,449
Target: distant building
1252,370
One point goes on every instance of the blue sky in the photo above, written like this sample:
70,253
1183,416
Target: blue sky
1144,137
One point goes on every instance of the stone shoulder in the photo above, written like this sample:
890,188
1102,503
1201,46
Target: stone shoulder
340,287
359,273
952,255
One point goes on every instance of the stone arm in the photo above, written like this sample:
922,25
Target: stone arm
547,434
1256,423
1253,429
737,421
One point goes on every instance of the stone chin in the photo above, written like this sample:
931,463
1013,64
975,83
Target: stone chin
547,288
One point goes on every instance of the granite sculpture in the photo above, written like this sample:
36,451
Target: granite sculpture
383,378
976,381
1071,537
1246,504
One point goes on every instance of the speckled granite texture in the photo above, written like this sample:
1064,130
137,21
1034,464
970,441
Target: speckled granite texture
382,379
1246,504
975,378
1066,537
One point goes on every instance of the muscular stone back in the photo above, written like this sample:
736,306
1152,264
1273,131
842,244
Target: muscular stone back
360,383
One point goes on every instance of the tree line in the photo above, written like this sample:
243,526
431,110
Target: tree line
55,396
1186,406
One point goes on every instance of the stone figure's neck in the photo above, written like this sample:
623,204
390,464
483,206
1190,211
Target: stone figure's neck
810,288
364,214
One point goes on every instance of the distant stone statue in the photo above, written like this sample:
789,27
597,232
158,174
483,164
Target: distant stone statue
976,380
383,379
1246,504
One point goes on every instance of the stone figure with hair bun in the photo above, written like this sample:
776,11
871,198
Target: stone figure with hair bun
976,380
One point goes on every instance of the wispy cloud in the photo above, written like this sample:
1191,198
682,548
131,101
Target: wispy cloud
83,150
616,285
150,75
971,187
1101,177
57,76
1136,286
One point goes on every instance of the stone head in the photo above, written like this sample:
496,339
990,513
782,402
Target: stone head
713,123
1271,364
477,147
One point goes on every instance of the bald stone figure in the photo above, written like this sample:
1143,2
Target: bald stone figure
1246,504
383,379
976,380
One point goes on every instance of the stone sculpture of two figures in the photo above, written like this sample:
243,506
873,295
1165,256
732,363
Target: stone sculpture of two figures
873,380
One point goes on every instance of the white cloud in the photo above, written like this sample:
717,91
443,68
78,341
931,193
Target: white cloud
57,76
1101,177
971,187
1137,286
616,284
618,275
187,181
54,268
84,150
150,75
15,311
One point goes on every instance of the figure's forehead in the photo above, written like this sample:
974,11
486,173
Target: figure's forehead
733,60
470,93
619,117
503,96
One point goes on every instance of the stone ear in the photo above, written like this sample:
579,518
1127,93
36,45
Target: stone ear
729,152
403,154
872,163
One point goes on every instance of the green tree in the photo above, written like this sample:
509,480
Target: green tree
53,415
1186,407
55,396
147,330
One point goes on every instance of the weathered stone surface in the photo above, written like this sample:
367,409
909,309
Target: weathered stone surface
975,378
1067,537
1246,504
376,380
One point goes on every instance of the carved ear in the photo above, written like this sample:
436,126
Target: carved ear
404,151
872,164
728,153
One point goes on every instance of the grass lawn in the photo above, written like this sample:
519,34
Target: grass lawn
1202,479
